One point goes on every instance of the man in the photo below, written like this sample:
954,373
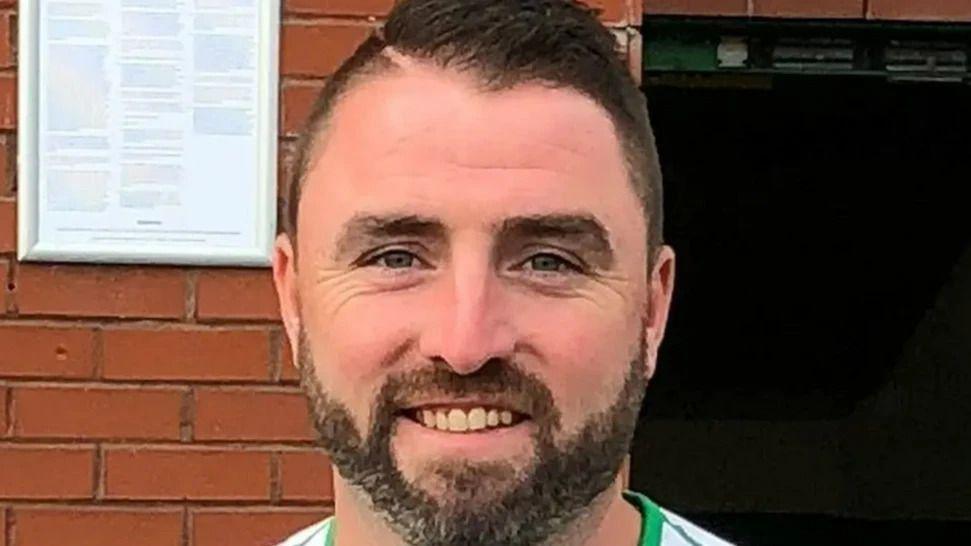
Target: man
473,276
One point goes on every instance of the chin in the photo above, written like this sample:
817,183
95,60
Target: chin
459,482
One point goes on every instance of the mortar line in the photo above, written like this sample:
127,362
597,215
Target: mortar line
100,472
191,297
9,409
186,526
11,524
275,477
276,355
187,416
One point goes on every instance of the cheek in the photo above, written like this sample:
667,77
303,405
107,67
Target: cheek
351,344
585,354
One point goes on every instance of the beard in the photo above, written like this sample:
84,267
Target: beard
556,488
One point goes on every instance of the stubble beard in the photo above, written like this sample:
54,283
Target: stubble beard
532,505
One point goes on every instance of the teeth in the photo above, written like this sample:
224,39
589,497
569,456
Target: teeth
457,420
477,419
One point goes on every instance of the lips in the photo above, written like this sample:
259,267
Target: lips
462,420
464,417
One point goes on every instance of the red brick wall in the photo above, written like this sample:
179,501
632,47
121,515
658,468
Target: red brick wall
159,402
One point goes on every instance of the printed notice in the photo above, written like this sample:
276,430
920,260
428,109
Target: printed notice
148,123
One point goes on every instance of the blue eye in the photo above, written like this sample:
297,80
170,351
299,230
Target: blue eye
550,263
395,259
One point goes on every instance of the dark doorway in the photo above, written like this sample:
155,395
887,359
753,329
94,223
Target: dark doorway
815,221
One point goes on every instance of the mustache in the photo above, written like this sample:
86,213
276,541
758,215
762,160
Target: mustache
498,380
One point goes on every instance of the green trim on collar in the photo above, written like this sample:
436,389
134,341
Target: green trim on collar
653,518
329,537
653,521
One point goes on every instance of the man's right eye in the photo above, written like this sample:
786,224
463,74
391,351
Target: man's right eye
394,259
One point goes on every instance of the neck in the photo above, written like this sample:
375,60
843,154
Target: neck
610,521
357,523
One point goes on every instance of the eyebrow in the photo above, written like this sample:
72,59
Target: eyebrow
363,229
581,231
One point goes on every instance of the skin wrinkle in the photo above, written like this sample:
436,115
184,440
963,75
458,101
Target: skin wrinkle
419,130
340,294
365,232
523,165
363,333
367,460
344,293
519,166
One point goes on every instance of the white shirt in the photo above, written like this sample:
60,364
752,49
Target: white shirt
660,527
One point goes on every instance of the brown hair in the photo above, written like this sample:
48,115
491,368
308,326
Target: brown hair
504,43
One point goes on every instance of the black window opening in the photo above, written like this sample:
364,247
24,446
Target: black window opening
809,386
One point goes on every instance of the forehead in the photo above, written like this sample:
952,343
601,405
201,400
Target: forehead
429,141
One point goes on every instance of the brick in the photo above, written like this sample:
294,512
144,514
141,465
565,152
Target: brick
250,526
306,475
249,415
318,49
97,291
610,11
63,472
360,8
298,100
186,355
96,413
826,9
8,102
98,526
696,7
6,41
41,351
925,10
196,474
240,294
637,12
8,226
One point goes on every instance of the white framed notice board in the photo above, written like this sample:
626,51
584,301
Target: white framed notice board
147,131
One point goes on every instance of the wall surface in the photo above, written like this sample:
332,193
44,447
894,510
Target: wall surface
917,10
159,402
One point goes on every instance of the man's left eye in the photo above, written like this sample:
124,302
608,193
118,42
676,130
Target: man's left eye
395,259
550,263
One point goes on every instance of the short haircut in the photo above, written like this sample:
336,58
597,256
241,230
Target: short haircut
502,43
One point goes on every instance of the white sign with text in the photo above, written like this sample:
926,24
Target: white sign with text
148,130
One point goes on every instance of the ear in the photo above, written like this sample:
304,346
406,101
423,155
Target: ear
659,291
287,291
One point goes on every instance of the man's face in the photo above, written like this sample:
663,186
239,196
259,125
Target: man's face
470,298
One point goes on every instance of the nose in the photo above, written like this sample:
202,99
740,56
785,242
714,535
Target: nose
470,324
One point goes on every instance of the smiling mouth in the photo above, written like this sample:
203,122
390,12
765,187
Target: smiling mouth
464,419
